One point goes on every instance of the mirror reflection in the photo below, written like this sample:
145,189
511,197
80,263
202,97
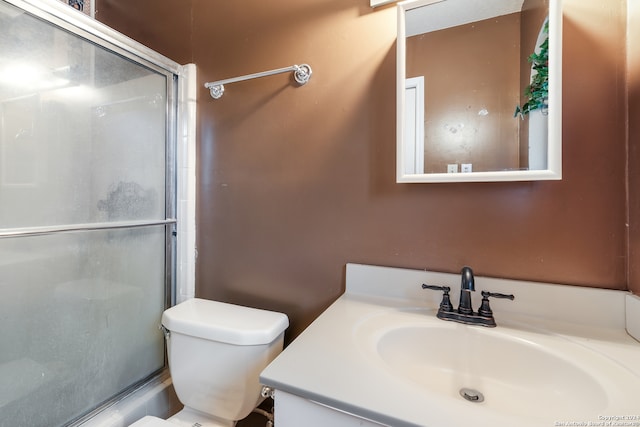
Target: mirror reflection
475,80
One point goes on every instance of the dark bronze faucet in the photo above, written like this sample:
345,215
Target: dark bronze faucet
466,287
464,313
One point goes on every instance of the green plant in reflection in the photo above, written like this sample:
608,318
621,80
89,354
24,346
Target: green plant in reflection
537,92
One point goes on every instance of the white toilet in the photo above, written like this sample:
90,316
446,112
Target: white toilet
216,353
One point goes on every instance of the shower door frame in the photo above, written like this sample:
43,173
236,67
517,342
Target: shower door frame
68,19
179,221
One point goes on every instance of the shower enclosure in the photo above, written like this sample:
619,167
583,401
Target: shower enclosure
87,212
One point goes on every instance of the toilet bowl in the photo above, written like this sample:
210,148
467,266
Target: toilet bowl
216,352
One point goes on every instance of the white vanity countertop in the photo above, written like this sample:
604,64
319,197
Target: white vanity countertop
327,363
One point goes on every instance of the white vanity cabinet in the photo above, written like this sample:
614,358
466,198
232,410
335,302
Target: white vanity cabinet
295,411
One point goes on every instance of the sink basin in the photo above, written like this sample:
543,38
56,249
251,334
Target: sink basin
509,369
560,356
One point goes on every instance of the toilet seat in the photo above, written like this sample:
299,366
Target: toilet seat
150,421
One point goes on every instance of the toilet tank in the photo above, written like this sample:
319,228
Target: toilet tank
216,353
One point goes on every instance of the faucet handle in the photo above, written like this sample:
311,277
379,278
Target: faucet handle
485,309
445,304
497,295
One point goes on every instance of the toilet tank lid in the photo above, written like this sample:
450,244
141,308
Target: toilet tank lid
223,322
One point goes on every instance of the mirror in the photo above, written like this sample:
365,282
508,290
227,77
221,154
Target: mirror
479,90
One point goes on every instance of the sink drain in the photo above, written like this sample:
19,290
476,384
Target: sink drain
471,395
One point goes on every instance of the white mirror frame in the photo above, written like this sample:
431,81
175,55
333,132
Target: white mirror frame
376,3
554,153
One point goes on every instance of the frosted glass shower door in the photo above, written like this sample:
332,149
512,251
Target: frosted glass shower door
86,217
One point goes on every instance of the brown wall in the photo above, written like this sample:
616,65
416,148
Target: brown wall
163,25
294,182
467,69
